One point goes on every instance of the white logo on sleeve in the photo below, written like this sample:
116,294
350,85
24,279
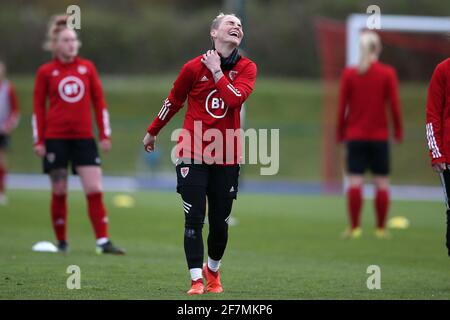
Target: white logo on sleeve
71,89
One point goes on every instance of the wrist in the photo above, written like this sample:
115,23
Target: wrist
152,131
217,74
216,70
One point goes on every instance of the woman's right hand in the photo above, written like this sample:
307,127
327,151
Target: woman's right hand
39,150
439,167
149,142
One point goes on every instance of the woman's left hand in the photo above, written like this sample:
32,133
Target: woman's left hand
105,145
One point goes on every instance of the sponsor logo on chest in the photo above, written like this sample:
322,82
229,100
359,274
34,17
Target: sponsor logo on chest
214,104
71,89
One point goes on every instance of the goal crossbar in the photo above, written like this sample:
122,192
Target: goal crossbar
417,24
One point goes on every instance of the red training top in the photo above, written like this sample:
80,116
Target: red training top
71,88
362,113
438,114
213,105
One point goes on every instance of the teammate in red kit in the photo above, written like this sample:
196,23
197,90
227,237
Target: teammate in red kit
362,124
63,132
9,119
216,84
438,130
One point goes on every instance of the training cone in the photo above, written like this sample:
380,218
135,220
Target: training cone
44,246
123,201
398,223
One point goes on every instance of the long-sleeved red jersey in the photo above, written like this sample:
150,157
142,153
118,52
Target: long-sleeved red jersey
362,113
9,106
214,105
71,89
438,114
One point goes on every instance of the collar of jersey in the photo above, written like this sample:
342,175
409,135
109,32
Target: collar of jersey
229,62
59,62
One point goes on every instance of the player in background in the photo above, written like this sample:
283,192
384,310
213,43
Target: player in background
63,132
216,85
362,124
438,130
9,119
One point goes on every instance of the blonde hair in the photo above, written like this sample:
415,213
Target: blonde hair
370,48
56,24
217,20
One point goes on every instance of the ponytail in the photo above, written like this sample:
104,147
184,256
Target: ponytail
370,48
56,24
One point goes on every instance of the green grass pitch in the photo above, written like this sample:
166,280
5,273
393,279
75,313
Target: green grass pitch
283,247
